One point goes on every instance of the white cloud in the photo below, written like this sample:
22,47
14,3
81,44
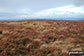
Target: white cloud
65,11
59,12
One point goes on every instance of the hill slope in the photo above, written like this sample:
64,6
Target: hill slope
41,37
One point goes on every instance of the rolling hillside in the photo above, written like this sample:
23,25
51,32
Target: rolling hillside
41,37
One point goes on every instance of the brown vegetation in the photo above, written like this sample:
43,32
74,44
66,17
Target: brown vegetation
41,37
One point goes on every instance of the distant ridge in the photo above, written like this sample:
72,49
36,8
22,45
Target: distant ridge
39,20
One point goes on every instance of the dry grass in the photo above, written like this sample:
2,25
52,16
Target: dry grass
41,37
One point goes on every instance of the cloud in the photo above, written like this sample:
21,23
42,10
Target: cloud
69,11
41,9
38,4
60,12
78,2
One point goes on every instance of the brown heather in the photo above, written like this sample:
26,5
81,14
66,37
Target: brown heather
41,37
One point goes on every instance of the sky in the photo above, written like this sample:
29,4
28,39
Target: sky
42,9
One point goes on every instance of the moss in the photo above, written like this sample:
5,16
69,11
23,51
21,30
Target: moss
69,49
21,51
68,29
83,48
46,51
59,52
8,53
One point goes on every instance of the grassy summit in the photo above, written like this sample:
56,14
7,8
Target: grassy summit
41,37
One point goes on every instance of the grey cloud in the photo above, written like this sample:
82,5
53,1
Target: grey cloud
13,8
38,4
78,2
